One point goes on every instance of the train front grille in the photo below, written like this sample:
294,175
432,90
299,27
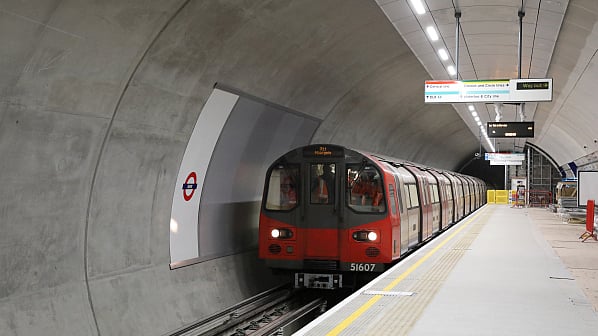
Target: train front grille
372,252
326,265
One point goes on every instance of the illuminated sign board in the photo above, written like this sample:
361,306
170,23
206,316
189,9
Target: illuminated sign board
523,129
505,156
488,90
505,163
323,151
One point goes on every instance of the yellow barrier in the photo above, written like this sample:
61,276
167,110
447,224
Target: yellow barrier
490,196
502,196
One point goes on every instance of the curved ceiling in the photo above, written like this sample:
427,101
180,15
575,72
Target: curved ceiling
559,41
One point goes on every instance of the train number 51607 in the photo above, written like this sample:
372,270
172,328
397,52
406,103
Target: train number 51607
360,267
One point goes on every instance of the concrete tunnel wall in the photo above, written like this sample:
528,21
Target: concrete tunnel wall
98,102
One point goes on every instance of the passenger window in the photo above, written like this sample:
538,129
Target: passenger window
282,188
400,199
408,199
413,195
323,177
365,192
391,196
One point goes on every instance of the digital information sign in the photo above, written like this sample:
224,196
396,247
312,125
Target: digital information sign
488,90
524,129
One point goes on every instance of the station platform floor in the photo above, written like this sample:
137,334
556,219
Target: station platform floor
500,271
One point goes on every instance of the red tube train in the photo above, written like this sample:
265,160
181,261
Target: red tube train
333,217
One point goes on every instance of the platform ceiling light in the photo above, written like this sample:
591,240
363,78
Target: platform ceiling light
432,34
474,113
479,123
443,55
471,107
418,6
451,70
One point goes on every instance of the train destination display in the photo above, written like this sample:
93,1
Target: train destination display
524,129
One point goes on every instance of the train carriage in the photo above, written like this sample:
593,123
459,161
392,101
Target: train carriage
331,214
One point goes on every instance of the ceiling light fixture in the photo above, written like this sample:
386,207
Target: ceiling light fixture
470,107
432,34
451,70
418,6
443,55
474,114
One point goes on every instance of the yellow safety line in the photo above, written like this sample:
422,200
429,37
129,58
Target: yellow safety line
345,323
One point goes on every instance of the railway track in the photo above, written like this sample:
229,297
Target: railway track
279,311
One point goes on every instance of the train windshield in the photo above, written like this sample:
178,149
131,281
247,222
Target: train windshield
364,189
323,177
282,188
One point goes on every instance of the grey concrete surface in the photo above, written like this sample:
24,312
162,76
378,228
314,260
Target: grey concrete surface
97,102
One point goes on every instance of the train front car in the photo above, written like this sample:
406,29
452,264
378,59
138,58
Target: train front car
324,217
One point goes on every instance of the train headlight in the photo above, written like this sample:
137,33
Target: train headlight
281,233
372,236
275,233
365,236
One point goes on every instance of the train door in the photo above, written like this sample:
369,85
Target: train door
459,198
321,221
439,195
403,212
411,218
466,195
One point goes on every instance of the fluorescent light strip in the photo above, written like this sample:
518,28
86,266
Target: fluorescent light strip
451,70
443,55
418,6
432,34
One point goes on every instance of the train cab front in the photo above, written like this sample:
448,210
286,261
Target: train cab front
309,226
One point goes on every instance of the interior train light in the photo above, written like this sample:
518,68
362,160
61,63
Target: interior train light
281,233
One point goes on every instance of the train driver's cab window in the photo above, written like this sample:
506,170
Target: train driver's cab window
282,190
323,177
364,189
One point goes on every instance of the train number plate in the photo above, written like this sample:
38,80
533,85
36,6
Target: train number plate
362,267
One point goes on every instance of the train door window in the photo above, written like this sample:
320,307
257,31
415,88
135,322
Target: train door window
365,189
413,195
435,197
322,183
282,188
391,196
408,197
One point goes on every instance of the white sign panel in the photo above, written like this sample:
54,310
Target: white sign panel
184,239
491,90
505,156
505,163
587,187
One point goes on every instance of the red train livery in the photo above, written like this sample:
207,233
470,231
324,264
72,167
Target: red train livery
332,215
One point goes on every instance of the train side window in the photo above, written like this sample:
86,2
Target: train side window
282,188
391,196
400,198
